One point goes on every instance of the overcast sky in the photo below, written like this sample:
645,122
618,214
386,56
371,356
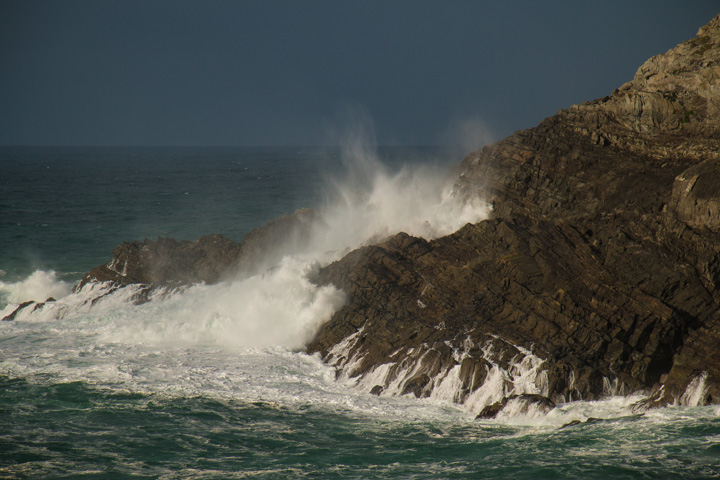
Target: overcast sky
177,72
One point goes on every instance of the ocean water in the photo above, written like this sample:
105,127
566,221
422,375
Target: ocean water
212,381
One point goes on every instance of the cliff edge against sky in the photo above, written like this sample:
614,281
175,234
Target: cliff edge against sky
602,258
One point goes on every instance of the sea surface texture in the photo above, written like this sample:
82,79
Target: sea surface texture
211,381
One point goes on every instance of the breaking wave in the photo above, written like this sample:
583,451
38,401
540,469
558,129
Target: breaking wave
39,286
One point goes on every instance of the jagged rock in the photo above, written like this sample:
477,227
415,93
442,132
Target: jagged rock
416,386
25,306
11,316
696,195
491,411
602,257
167,261
207,259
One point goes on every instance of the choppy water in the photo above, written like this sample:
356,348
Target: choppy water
212,382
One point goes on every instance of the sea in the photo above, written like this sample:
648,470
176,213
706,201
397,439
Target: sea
211,381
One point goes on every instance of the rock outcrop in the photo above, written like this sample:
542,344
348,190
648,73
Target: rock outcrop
169,263
29,306
598,274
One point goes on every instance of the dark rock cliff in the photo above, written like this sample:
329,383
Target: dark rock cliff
602,258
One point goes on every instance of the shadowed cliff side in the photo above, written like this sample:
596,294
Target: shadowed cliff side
602,258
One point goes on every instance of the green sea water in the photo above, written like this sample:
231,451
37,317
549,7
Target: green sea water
212,382
72,430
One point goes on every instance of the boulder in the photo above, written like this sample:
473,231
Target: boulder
521,404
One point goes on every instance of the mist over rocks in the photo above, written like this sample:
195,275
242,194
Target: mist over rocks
167,261
209,259
601,259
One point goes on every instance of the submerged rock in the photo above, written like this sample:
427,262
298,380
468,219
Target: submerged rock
25,307
521,405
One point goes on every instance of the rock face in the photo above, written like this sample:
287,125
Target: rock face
598,274
168,262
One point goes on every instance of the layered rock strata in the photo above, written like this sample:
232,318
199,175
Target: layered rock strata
602,258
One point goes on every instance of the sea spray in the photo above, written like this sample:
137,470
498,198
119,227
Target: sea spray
694,393
39,286
371,200
417,201
278,307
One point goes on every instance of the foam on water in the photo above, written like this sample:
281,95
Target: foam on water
39,286
116,346
241,338
278,308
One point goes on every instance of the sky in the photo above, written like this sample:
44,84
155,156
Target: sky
287,72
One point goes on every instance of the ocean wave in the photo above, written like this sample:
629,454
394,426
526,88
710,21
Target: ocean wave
39,286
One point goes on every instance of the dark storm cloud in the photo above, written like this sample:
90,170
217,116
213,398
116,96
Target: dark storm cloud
277,72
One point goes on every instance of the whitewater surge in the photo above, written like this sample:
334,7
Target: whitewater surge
524,374
183,339
242,339
39,286
212,380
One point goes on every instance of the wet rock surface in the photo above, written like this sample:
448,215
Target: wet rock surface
29,306
167,261
521,404
602,258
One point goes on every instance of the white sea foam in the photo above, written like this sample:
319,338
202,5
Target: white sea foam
237,339
416,201
525,374
39,286
580,411
694,393
278,308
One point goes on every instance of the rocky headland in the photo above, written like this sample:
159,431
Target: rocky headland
597,274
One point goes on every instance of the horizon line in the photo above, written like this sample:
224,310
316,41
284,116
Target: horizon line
225,146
